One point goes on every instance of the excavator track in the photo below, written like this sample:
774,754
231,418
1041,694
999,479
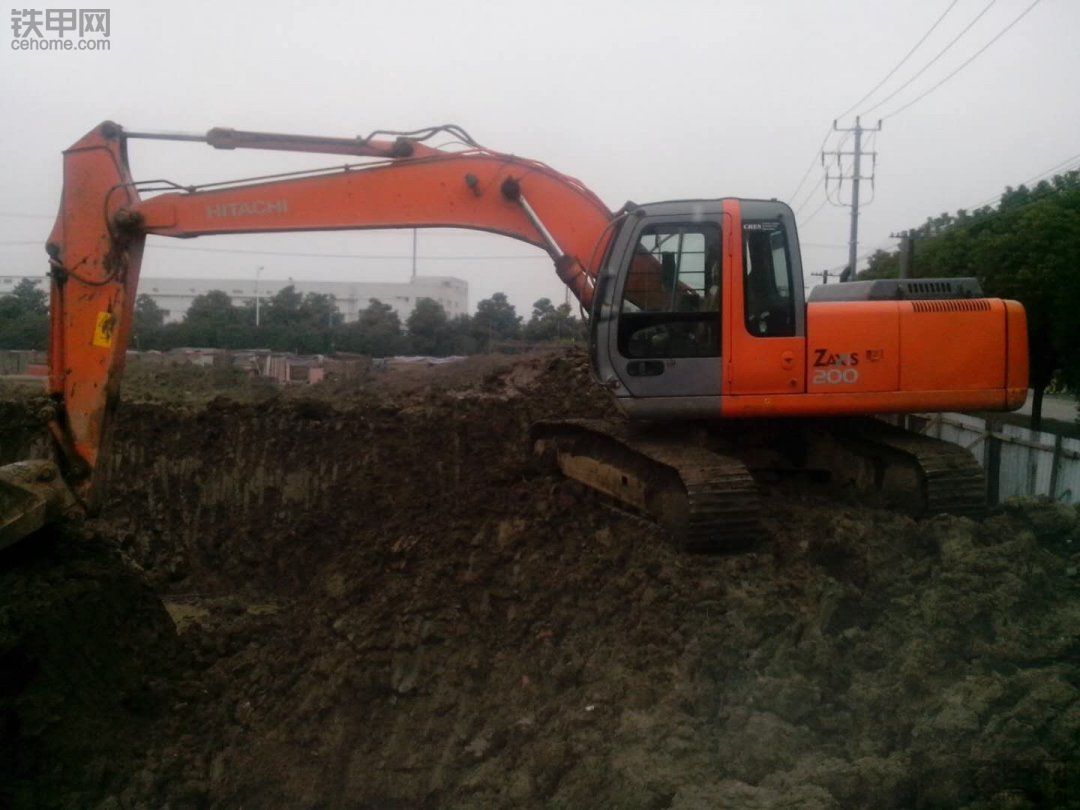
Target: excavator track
921,474
953,480
707,501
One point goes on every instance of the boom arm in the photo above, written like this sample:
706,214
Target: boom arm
97,242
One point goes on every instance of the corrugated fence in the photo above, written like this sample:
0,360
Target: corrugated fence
1018,461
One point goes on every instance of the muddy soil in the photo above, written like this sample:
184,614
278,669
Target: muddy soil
376,599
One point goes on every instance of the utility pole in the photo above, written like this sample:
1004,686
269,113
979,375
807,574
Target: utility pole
258,272
907,252
414,255
855,177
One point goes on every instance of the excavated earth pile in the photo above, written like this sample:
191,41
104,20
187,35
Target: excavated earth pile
377,599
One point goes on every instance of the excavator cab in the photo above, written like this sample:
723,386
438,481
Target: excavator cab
699,313
684,287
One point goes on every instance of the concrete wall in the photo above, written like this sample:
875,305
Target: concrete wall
1018,461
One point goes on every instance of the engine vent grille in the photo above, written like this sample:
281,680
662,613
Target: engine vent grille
961,305
898,289
932,287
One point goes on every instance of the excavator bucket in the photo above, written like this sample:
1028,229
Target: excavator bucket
32,494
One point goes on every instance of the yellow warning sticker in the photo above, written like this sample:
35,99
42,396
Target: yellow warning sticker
103,330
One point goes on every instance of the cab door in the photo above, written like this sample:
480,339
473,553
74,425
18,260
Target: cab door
663,330
765,351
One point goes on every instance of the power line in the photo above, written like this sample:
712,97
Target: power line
809,196
1056,168
838,203
16,215
1052,169
869,94
813,160
1001,211
1022,206
940,54
900,64
824,179
814,214
971,59
976,220
860,257
1041,175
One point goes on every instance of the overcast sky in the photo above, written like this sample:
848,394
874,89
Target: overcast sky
642,100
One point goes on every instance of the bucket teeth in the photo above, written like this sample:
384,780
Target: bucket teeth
32,495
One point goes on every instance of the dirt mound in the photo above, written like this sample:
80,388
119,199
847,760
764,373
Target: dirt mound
85,648
383,602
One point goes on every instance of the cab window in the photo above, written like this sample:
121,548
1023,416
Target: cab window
671,299
770,302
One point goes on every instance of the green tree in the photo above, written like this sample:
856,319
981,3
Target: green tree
319,311
429,329
463,335
283,308
31,300
148,321
882,264
541,322
24,317
550,322
213,309
304,323
377,332
496,319
148,315
1027,248
213,321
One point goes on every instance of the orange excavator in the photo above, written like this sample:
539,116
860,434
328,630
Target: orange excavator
699,327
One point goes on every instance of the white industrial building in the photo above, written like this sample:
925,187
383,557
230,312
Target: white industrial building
174,295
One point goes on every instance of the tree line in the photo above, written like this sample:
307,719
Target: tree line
309,323
24,317
1027,248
